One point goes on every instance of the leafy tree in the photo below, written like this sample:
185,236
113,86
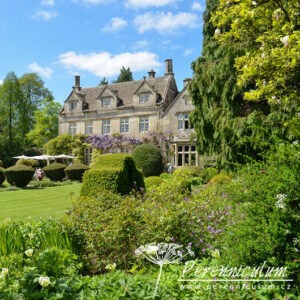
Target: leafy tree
268,30
103,81
229,128
34,92
125,75
45,123
67,144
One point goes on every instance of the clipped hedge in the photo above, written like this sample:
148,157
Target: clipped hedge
221,178
75,172
113,172
149,159
19,176
55,171
28,162
2,177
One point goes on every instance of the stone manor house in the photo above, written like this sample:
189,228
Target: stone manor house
133,109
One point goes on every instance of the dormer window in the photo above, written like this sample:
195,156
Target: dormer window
183,121
106,101
144,97
72,105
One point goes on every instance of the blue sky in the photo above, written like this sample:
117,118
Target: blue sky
95,38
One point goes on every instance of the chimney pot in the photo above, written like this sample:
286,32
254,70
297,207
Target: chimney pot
151,73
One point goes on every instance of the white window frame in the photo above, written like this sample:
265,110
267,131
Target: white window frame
124,125
106,102
183,121
144,97
144,124
72,128
88,127
105,126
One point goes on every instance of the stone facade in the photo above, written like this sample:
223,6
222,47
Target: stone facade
133,109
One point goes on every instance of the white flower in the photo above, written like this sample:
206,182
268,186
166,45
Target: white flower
217,32
4,271
151,249
29,252
280,203
295,241
285,40
44,281
254,3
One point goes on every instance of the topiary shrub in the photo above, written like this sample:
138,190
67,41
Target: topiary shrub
149,159
153,181
28,162
19,176
55,171
113,172
75,172
192,171
2,177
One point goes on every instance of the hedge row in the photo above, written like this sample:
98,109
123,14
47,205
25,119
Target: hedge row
113,172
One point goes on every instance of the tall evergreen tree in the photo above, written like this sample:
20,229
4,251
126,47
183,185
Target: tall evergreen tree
125,75
228,128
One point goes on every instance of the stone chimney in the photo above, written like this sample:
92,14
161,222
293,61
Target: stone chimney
151,73
169,67
186,81
77,82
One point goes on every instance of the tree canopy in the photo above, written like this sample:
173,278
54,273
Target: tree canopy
125,75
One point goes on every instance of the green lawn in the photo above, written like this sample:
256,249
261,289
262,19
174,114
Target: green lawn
35,203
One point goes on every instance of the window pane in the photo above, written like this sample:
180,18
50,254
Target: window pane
186,148
193,148
144,97
106,102
179,148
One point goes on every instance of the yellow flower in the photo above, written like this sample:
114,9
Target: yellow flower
29,252
44,281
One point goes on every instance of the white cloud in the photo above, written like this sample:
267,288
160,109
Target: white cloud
197,6
104,64
140,45
148,3
165,22
188,52
48,2
44,15
93,2
115,24
45,72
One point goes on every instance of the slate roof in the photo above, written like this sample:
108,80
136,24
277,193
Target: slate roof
124,90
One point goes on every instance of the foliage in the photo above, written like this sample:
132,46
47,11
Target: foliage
228,126
149,159
67,144
192,171
2,177
124,76
45,123
55,171
153,181
1,164
208,173
114,172
75,171
267,227
220,178
28,162
269,32
103,81
19,175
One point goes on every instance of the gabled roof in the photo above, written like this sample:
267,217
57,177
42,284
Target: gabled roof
124,90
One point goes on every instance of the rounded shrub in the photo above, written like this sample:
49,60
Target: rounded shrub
27,162
55,171
153,181
149,159
193,171
220,179
2,177
19,175
75,172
